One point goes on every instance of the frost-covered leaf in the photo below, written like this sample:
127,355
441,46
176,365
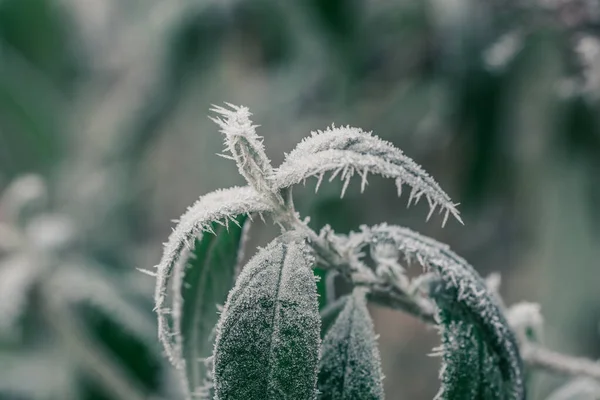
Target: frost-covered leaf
267,345
577,389
473,328
348,151
203,283
221,206
350,367
245,145
470,368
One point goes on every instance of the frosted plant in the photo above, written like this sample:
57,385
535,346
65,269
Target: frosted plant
256,331
46,281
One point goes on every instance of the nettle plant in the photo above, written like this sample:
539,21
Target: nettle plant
255,331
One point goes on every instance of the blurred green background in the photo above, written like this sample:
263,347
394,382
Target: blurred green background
106,102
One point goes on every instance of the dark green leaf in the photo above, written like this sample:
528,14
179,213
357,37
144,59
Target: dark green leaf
207,279
481,357
267,345
350,365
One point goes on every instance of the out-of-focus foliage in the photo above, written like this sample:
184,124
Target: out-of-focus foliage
105,100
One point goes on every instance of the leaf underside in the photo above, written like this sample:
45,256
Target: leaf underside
479,351
267,343
222,206
473,327
205,281
470,366
350,364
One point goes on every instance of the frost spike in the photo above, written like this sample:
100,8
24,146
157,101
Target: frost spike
319,180
267,345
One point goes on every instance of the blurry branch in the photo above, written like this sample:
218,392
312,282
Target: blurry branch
552,361
99,365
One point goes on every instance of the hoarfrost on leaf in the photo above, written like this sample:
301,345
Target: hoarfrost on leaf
350,367
347,151
267,345
525,318
221,206
199,287
472,325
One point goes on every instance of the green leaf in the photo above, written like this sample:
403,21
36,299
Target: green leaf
267,345
350,365
479,350
204,283
480,353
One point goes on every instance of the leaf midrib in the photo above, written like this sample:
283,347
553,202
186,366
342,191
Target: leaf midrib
275,318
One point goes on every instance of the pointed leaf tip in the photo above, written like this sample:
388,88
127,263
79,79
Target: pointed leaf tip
350,367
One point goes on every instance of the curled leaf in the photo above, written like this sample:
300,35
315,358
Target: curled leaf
350,367
473,327
199,286
348,151
221,206
267,345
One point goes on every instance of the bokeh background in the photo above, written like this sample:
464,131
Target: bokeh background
104,140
